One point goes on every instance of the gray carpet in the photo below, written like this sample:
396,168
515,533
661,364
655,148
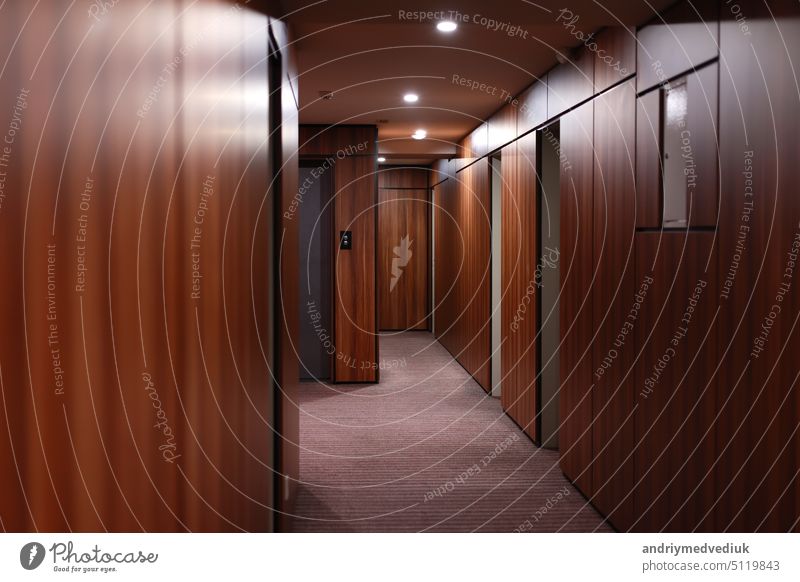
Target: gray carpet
425,450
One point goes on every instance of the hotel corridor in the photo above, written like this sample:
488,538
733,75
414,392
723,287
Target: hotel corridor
426,449
322,266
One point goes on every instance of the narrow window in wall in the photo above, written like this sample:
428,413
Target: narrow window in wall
676,138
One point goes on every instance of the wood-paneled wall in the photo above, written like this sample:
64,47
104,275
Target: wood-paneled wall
285,237
715,398
463,274
503,126
532,107
350,153
612,293
575,306
570,83
138,347
706,437
676,388
615,58
518,258
403,248
757,431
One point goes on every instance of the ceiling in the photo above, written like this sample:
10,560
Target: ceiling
370,53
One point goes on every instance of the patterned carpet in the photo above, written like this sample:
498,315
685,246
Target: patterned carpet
425,450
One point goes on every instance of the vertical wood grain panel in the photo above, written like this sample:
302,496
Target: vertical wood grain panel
532,106
575,304
440,171
444,258
503,126
518,259
759,396
479,141
675,384
15,392
403,286
612,295
570,83
324,140
403,177
355,289
156,413
615,58
463,253
288,370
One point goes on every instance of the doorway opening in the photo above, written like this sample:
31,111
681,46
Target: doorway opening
315,339
497,274
548,274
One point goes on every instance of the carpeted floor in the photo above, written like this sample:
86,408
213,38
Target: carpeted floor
425,450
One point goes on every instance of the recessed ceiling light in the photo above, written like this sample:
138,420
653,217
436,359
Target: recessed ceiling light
447,26
381,159
410,97
420,134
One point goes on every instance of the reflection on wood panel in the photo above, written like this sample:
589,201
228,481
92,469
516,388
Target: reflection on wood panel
137,386
463,230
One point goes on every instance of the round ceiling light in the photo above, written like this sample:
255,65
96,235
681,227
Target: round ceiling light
446,26
381,159
410,97
420,134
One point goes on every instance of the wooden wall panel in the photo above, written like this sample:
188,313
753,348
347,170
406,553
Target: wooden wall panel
472,146
463,259
403,285
479,141
15,396
156,413
681,38
757,432
465,153
570,83
751,408
286,239
612,296
519,260
575,304
440,171
403,177
349,151
503,126
615,58
443,258
450,255
532,106
355,285
676,396
324,140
